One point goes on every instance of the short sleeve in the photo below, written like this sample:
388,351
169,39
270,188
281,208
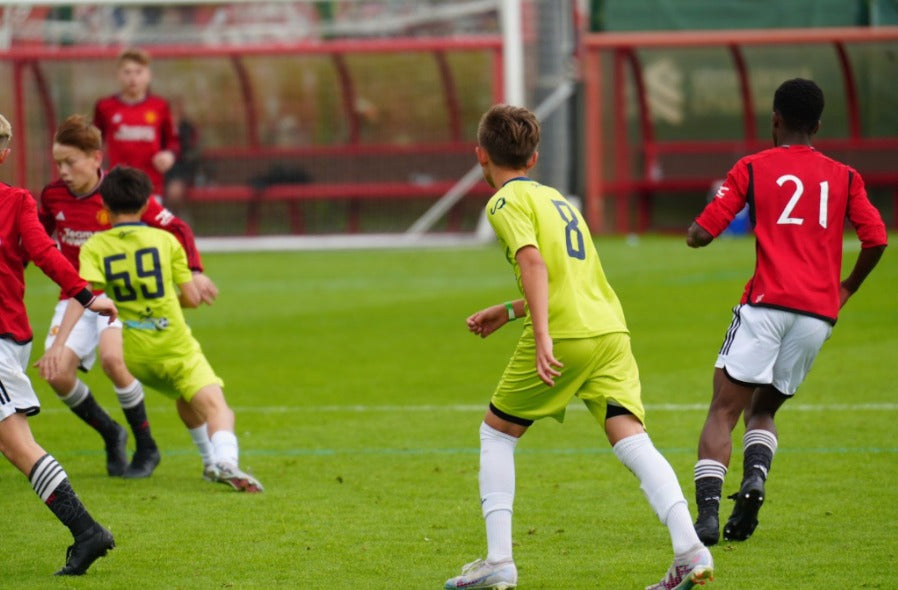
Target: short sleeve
90,267
512,221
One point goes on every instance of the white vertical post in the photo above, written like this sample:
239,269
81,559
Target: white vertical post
512,52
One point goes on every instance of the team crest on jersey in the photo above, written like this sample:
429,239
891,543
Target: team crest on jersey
150,117
103,217
497,205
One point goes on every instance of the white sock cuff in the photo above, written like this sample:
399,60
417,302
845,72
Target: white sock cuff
627,446
496,501
759,437
490,433
200,434
224,447
710,468
77,395
129,396
46,475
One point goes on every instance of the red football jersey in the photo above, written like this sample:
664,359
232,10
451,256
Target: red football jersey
21,239
798,202
135,132
71,220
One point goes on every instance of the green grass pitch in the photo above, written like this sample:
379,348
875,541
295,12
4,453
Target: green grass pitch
359,392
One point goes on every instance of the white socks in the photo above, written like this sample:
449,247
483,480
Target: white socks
200,436
224,448
660,486
497,481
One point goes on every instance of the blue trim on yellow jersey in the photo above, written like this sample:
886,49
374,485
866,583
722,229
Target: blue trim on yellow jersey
128,223
514,179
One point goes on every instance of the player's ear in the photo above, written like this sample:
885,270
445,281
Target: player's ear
4,153
483,158
532,161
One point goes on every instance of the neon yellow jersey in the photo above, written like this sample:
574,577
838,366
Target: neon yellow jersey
139,267
581,302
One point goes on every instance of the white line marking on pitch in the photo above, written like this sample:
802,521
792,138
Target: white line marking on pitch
411,409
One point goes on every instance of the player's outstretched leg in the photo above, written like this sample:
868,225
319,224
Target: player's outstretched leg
482,574
210,405
51,484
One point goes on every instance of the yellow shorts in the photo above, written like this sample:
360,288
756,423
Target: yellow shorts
175,376
599,370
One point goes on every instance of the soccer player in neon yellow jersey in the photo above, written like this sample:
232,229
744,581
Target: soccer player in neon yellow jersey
574,343
139,267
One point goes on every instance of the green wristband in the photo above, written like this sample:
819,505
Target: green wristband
510,307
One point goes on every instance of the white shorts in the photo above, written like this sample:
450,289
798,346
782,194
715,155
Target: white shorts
16,392
766,346
85,336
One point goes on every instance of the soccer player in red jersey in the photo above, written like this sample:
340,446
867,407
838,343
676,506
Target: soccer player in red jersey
137,126
798,201
72,210
21,239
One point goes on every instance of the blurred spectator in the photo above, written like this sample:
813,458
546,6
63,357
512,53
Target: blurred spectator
182,175
137,125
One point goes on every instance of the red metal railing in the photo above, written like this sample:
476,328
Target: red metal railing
623,49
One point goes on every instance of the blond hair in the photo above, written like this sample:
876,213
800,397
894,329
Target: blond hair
5,132
134,54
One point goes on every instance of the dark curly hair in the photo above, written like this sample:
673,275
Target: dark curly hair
800,103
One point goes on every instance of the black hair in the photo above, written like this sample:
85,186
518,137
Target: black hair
800,103
125,189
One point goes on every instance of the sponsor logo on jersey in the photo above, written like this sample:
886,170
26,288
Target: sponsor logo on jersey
71,237
60,216
164,217
497,205
135,133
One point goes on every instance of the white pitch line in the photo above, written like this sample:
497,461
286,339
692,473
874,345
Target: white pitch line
413,409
